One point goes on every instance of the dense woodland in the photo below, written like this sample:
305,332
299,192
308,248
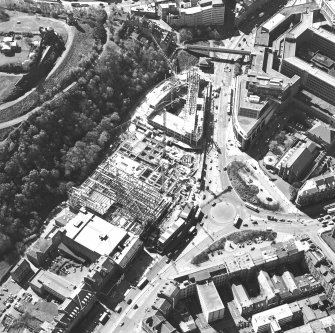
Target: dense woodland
58,146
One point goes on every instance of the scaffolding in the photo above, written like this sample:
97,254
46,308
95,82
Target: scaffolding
193,80
138,201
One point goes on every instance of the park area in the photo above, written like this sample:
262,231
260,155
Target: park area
248,187
24,31
21,23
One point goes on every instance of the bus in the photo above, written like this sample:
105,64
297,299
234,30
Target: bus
237,221
252,207
142,283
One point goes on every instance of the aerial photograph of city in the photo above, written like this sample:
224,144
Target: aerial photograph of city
167,166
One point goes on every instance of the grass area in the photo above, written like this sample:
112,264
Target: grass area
186,60
82,44
247,192
7,84
330,241
30,23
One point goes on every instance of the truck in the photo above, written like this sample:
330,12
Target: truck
103,318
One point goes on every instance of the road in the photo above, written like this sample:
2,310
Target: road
217,180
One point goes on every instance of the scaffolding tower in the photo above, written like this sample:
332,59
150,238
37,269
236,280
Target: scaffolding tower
193,80
138,200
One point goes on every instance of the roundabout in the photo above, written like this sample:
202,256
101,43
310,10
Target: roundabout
223,212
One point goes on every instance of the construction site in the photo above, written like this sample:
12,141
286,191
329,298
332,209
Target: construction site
135,186
182,117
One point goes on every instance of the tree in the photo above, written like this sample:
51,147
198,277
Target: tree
185,35
293,193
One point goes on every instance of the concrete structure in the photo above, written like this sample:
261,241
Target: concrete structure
187,126
42,250
241,298
242,266
256,98
313,79
211,303
326,324
21,270
74,308
272,320
101,271
45,282
268,290
246,8
177,228
92,237
328,10
316,189
208,12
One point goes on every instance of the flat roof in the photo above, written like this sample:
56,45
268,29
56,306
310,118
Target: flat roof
279,312
54,282
242,295
175,123
210,297
323,33
316,72
95,234
192,10
274,21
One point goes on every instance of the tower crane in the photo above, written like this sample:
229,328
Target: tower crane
173,81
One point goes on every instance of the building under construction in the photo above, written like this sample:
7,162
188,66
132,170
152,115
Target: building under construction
134,187
187,126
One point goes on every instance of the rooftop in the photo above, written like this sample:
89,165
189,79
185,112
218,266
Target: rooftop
274,21
278,313
95,233
314,71
55,282
242,295
266,284
210,296
325,133
319,183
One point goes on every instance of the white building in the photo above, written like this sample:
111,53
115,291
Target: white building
211,303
